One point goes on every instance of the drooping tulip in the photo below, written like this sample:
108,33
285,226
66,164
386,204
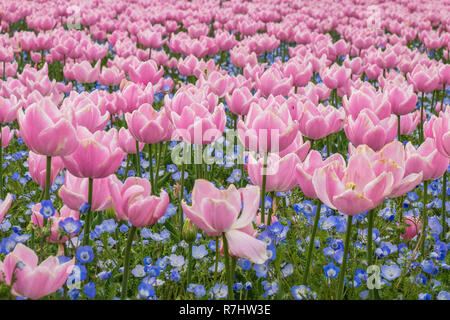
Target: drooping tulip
221,211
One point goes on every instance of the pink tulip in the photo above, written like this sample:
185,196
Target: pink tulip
74,193
8,109
413,227
4,207
195,115
272,81
424,79
304,171
336,76
426,159
83,72
409,122
279,169
300,72
149,126
6,135
97,156
47,130
392,158
135,96
37,165
268,127
133,201
88,115
367,98
368,129
111,76
317,122
403,100
298,147
32,280
239,101
353,189
441,131
127,142
219,211
146,72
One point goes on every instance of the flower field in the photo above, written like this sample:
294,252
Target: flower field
235,150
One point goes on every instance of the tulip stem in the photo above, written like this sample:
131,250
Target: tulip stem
189,266
126,264
344,258
158,162
263,189
89,212
150,159
228,268
444,200
1,165
4,70
424,216
138,162
180,210
421,119
47,178
371,219
311,243
216,262
398,128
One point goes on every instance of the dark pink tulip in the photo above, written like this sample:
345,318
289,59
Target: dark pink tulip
413,228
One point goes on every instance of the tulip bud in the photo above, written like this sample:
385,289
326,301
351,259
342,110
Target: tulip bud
189,231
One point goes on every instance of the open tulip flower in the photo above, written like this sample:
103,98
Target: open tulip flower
33,280
354,188
227,211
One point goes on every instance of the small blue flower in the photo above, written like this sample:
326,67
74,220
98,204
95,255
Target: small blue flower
261,270
245,264
85,254
421,280
199,252
70,225
89,290
146,291
443,295
104,275
84,207
199,291
219,291
153,271
47,209
300,292
424,296
390,272
175,276
331,270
